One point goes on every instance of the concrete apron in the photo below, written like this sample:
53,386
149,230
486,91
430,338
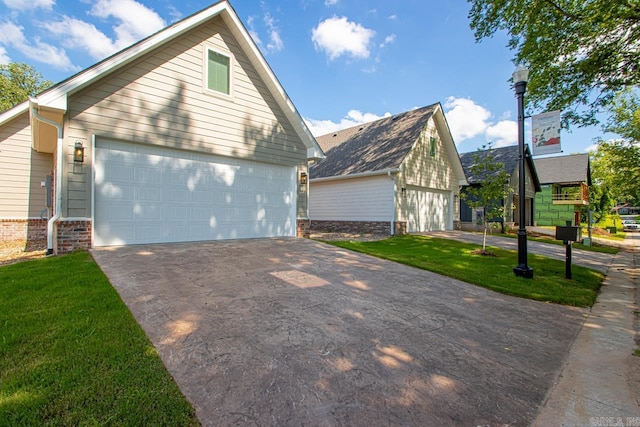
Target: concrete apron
599,382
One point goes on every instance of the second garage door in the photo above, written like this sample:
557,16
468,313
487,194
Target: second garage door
427,210
148,194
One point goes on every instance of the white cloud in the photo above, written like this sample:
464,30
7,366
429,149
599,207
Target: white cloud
591,148
83,35
388,40
339,36
13,35
275,41
4,58
29,4
135,20
353,118
468,120
393,17
252,32
330,2
503,133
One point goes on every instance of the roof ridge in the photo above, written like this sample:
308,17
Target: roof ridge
390,117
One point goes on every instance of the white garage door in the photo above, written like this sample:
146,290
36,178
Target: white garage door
427,210
147,194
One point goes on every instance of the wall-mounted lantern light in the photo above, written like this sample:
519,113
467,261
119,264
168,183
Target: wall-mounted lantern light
78,153
303,178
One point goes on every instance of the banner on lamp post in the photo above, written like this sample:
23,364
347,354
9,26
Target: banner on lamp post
546,133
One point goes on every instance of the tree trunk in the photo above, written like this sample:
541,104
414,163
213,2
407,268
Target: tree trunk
484,237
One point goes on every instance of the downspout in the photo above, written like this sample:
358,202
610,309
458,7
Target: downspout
393,207
58,183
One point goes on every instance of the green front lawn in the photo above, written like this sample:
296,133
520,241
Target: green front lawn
455,259
71,353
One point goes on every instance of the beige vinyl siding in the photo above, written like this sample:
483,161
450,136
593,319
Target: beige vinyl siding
420,169
161,99
355,199
21,171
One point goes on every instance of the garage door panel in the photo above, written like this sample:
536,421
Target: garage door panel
427,210
173,196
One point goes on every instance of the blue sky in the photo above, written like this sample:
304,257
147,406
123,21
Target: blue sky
342,62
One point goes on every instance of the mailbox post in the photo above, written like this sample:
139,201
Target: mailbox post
568,234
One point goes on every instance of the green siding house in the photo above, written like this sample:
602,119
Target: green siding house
565,182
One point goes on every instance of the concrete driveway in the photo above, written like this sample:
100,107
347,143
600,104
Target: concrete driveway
279,332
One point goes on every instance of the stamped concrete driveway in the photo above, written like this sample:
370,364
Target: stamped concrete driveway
279,332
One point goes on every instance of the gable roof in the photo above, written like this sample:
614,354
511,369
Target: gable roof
509,156
55,98
371,147
571,169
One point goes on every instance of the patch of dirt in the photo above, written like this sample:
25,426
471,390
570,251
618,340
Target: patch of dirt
17,250
483,253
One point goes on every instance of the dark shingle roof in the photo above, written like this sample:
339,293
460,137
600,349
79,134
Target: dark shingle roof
564,169
371,147
506,155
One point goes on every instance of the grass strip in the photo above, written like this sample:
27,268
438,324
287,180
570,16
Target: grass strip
457,260
71,352
593,248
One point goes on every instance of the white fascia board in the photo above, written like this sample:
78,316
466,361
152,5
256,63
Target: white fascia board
56,96
314,153
14,112
274,86
355,175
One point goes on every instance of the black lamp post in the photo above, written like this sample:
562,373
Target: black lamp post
520,77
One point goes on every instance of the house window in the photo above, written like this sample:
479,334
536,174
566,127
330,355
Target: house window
432,146
218,72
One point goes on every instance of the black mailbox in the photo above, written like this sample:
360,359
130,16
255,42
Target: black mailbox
568,233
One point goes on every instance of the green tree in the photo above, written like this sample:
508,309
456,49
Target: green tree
580,53
616,167
491,192
19,81
616,162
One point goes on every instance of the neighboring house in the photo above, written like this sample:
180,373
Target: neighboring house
565,184
509,157
395,175
184,136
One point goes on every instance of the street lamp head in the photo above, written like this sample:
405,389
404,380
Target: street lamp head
521,74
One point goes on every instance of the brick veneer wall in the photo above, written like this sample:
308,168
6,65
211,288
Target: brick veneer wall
71,235
23,229
373,227
303,228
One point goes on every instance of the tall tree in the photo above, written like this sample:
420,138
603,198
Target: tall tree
580,53
616,162
19,81
491,192
616,167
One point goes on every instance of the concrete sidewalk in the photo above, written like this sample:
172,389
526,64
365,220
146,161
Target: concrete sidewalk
599,384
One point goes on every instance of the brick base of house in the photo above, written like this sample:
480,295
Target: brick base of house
303,228
23,229
71,235
362,227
